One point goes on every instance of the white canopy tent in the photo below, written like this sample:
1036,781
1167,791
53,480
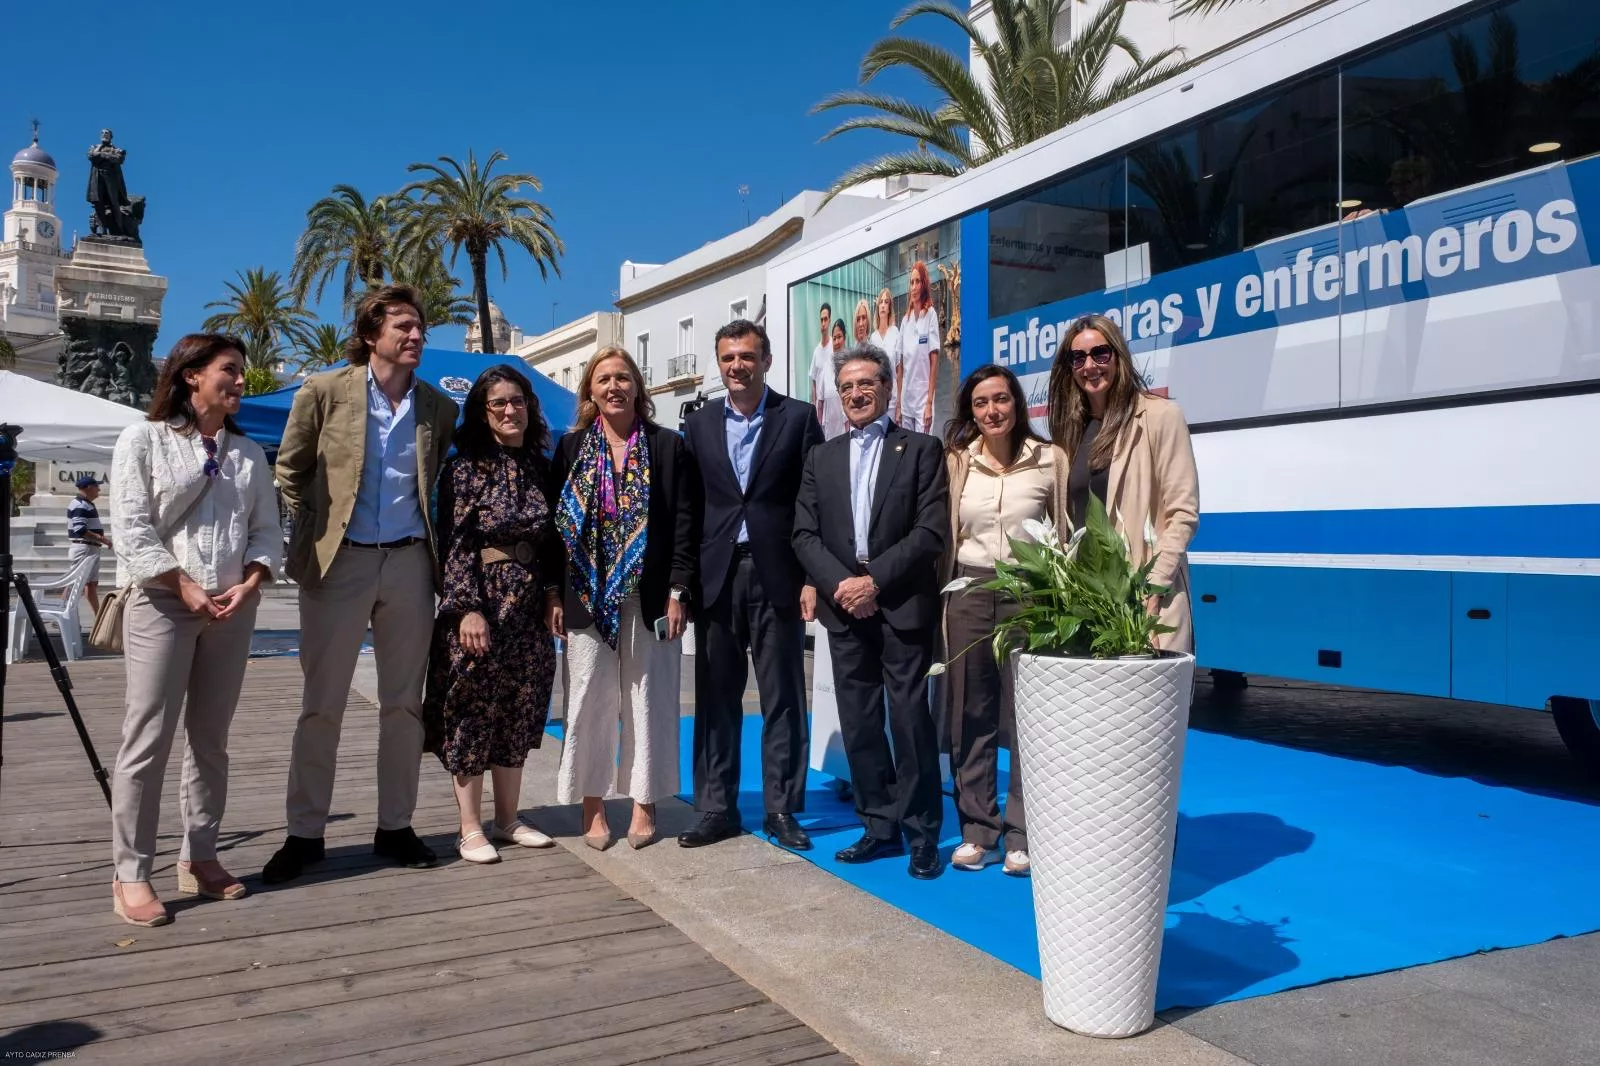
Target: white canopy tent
59,425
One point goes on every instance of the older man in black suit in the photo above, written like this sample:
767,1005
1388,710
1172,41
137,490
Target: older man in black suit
869,528
750,447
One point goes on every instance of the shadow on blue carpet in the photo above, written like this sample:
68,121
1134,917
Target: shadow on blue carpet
1292,868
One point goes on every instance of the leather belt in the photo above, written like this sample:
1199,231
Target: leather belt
741,550
520,552
384,545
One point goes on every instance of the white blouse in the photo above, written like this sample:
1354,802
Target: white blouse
156,473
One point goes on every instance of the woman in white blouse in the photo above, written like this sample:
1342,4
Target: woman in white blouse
886,335
196,534
919,354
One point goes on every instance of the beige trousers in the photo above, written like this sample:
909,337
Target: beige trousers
392,590
638,684
171,653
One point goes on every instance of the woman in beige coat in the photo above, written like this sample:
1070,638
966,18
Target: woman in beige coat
1130,448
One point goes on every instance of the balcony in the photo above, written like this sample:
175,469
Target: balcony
33,246
680,366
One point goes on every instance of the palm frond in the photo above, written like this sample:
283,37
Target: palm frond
894,166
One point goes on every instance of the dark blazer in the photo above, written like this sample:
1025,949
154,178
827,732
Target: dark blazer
672,532
904,541
789,430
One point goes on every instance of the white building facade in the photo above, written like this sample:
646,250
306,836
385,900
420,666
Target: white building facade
30,252
671,311
562,353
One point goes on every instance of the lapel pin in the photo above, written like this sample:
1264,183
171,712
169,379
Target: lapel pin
899,447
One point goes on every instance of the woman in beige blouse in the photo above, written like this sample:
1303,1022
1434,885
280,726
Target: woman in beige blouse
1001,475
196,534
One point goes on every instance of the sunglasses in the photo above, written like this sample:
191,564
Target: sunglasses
1100,353
211,467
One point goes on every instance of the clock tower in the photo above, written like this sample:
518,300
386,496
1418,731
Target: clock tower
30,252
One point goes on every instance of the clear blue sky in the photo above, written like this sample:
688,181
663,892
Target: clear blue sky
641,118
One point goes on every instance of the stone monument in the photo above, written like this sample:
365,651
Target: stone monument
108,300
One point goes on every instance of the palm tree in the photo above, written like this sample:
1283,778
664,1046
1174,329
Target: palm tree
344,230
262,312
442,302
1034,87
324,349
465,207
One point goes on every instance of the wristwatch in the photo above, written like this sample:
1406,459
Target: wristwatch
678,594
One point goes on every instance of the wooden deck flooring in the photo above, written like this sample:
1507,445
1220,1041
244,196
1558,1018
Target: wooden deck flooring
537,959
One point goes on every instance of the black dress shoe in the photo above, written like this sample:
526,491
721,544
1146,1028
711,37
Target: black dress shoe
404,847
787,832
925,862
288,861
711,828
868,848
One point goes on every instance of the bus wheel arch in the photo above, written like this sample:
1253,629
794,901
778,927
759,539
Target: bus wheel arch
1578,722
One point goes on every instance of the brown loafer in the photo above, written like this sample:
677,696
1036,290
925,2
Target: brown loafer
225,887
147,915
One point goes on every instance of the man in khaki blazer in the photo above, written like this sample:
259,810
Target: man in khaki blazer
357,466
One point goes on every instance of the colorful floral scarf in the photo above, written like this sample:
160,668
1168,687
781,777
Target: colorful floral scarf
602,520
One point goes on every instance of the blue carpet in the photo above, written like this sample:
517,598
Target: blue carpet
1292,868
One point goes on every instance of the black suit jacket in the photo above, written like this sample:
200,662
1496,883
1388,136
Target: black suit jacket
672,523
910,520
789,430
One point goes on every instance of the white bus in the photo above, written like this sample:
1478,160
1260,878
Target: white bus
1355,250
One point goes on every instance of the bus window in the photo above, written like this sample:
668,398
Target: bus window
1239,179
1053,243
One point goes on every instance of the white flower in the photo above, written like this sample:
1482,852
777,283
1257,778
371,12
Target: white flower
1042,532
1074,541
957,585
936,669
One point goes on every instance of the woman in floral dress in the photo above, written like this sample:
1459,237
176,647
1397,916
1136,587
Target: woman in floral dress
493,660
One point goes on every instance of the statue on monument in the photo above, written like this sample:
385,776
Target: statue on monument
116,216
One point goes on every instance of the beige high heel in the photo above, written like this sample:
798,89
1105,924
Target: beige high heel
147,915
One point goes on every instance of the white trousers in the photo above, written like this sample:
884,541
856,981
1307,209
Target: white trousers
634,687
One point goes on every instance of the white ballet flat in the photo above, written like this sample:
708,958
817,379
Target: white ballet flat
483,853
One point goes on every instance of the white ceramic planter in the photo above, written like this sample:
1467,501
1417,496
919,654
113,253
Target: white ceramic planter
1101,746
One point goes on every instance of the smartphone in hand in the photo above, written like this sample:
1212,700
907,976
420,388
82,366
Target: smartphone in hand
661,628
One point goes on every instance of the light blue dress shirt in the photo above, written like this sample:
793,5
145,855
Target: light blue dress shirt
742,434
866,449
387,505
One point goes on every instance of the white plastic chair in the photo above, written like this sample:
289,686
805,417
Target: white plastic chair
57,599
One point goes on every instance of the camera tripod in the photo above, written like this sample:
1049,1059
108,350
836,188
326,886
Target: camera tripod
8,580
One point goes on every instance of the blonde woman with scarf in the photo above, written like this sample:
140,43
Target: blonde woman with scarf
627,512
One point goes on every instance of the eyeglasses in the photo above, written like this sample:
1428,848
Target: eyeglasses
211,467
848,388
1100,353
515,403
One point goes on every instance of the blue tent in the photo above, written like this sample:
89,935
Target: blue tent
263,417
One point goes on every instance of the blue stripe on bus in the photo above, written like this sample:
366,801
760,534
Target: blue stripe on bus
1558,531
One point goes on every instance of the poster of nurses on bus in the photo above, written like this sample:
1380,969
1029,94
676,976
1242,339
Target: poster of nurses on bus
904,299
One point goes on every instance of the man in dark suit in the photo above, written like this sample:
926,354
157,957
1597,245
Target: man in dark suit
869,528
750,448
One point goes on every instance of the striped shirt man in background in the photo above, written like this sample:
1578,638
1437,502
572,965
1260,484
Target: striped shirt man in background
86,536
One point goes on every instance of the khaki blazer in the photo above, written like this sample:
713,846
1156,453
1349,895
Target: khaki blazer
1153,477
320,459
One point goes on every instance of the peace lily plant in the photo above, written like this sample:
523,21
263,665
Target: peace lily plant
1079,598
